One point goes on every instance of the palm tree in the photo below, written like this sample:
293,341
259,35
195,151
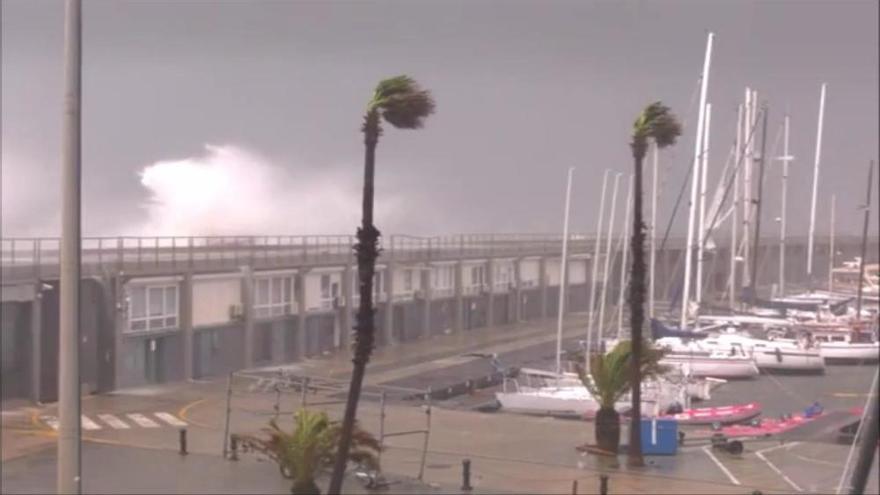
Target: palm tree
609,380
405,105
655,122
308,451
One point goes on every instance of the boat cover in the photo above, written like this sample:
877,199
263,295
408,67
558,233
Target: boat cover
659,330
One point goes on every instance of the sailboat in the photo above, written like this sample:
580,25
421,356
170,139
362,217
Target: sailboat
561,393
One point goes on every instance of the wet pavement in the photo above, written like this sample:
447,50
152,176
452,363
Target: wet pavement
119,470
509,453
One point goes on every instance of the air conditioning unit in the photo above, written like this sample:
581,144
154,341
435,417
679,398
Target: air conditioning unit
236,312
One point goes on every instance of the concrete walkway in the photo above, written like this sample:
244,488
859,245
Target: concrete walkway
409,358
122,470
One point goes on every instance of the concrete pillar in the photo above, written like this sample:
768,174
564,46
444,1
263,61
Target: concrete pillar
388,323
427,292
247,302
517,290
300,294
459,297
348,278
36,342
186,324
542,276
490,279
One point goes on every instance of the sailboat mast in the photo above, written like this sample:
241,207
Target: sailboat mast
864,241
563,275
603,291
748,125
759,203
625,248
737,151
831,246
704,82
812,233
596,253
786,158
701,231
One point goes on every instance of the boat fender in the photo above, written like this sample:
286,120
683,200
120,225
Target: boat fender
778,355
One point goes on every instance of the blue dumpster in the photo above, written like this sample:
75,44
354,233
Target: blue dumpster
659,437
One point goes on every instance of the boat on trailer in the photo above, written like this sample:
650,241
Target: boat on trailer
723,415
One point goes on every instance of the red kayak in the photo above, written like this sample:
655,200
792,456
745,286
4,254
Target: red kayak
725,415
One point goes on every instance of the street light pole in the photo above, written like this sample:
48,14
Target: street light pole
69,468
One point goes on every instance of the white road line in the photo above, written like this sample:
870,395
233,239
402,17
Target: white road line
169,418
51,421
775,469
88,424
142,420
113,421
720,466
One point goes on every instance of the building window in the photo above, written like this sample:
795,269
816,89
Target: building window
152,307
478,278
442,280
325,287
273,296
329,291
407,281
503,276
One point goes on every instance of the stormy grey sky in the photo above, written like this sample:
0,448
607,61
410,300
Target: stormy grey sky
524,89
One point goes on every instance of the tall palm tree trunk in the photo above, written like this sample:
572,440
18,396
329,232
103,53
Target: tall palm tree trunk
637,309
366,251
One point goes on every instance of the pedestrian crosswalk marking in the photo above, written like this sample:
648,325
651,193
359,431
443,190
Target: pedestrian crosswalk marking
88,424
169,418
113,421
142,420
139,419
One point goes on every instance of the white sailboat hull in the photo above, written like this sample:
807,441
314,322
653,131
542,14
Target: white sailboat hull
542,403
704,366
789,360
847,351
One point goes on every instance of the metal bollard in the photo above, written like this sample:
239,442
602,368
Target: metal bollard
183,441
466,475
603,484
233,447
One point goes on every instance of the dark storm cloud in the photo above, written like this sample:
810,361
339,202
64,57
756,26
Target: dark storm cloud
524,90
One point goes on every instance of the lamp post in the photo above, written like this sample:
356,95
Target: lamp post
69,469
